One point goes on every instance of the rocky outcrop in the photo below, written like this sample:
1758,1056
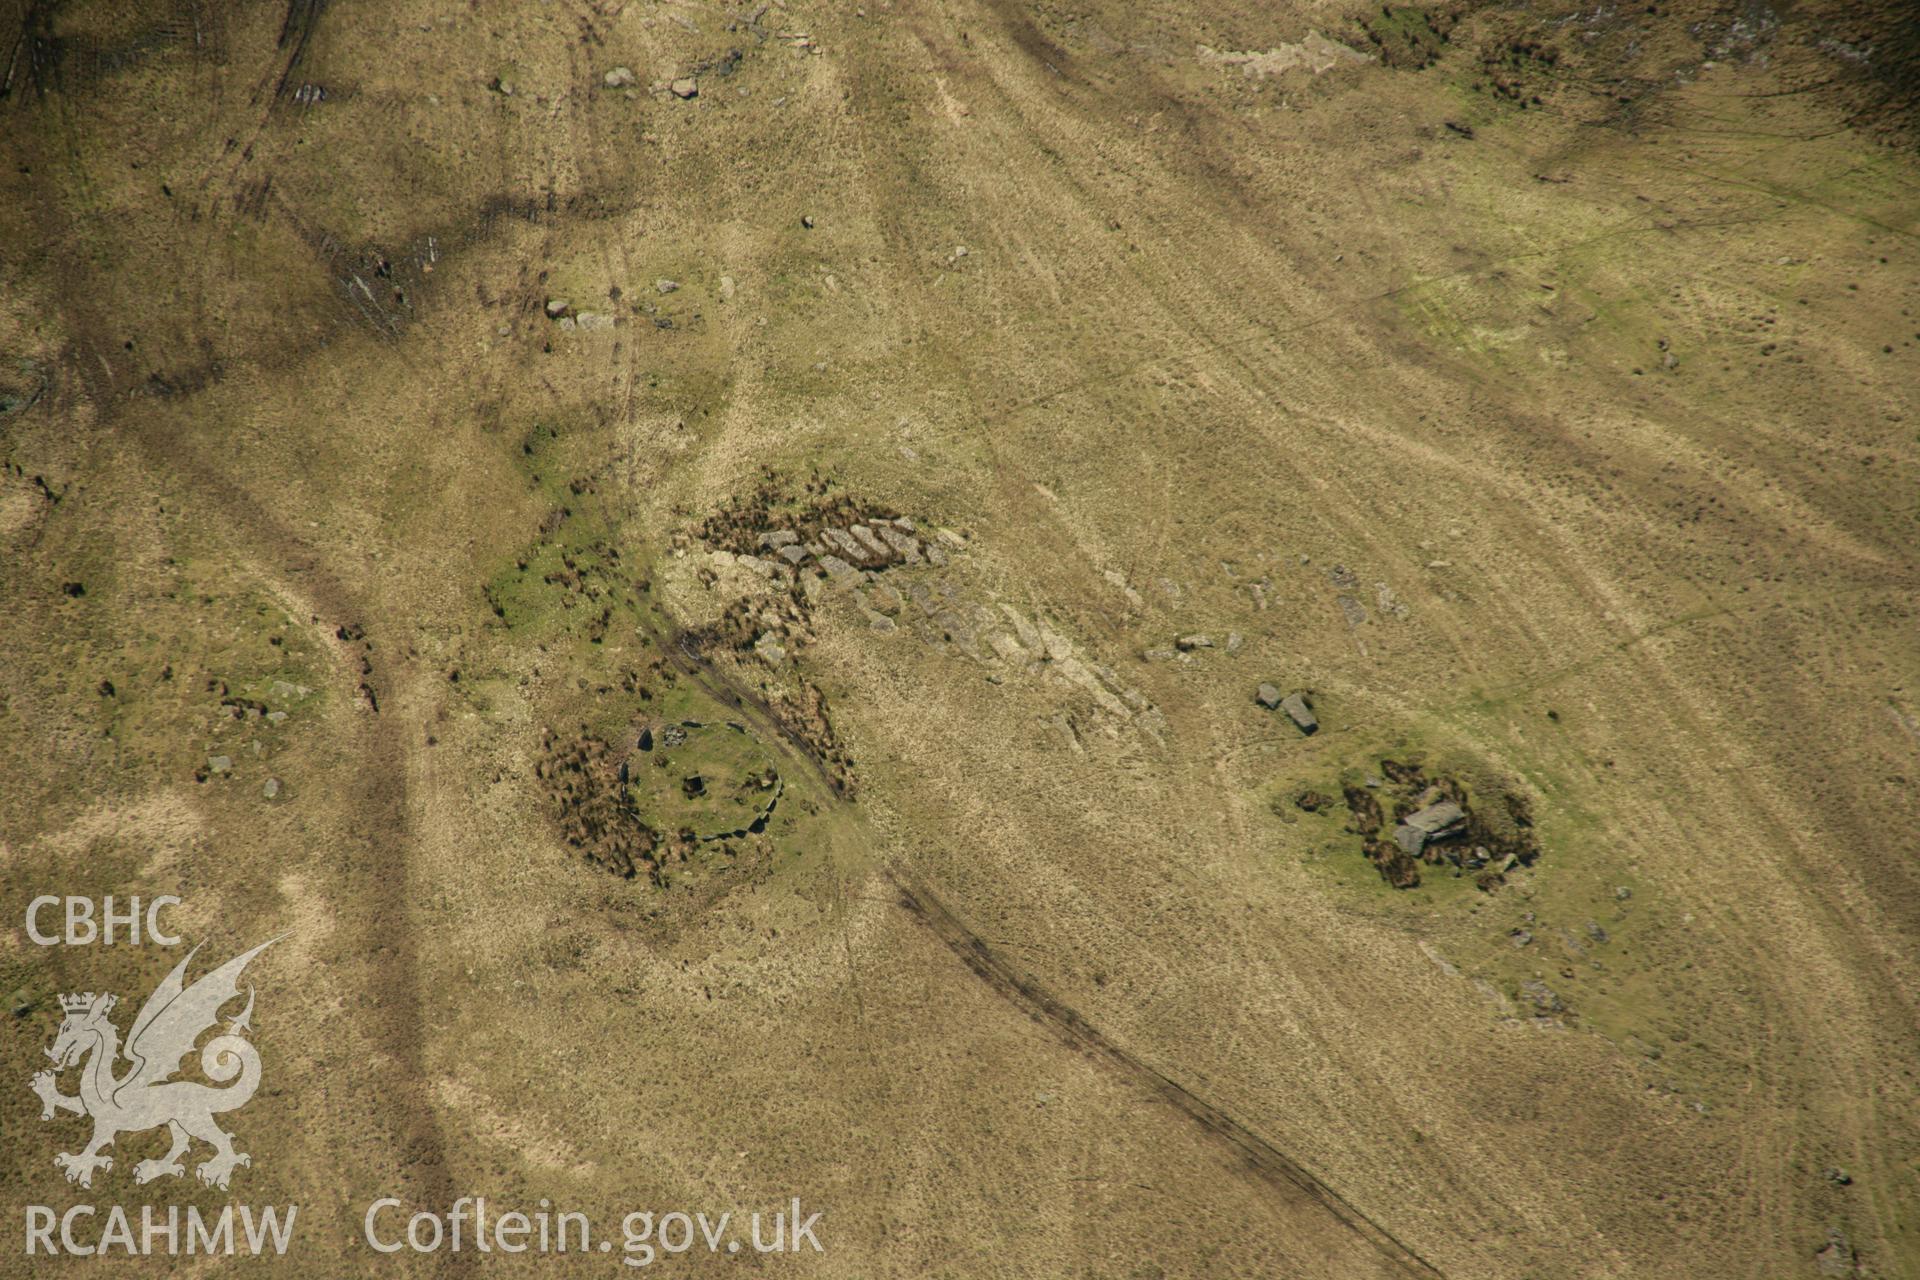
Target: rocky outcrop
1436,823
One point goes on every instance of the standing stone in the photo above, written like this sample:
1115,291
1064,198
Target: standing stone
839,568
1301,713
1438,820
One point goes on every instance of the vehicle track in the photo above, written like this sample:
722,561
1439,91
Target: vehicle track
374,853
1263,1159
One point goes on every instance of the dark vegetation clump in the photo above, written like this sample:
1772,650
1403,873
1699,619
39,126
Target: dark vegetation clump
777,503
591,808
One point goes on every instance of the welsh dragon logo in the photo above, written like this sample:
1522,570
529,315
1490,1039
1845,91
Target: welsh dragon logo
145,1096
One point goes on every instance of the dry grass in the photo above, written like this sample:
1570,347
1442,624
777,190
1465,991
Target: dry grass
1601,410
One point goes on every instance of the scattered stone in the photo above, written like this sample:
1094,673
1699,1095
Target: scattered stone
665,285
779,538
1541,996
1355,612
727,288
276,717
1433,821
557,307
1837,1258
1267,696
871,541
1520,937
847,545
593,320
1595,932
685,87
1187,644
618,78
1234,641
793,554
1839,1177
1623,893
220,764
905,545
806,220
272,789
1300,711
769,650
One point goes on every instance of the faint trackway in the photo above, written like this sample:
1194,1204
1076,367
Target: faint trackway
373,854
1010,983
678,649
